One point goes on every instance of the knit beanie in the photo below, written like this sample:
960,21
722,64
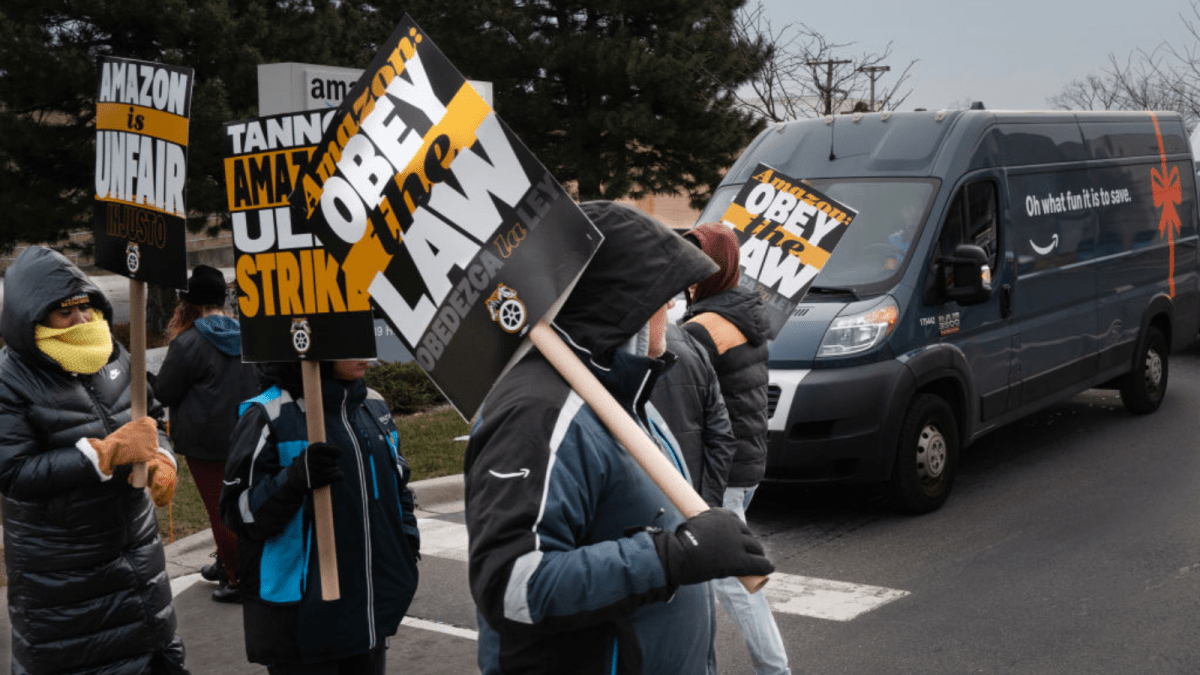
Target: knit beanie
83,348
721,244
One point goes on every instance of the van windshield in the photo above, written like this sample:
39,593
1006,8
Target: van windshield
878,243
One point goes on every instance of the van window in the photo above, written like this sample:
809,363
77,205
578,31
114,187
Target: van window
973,218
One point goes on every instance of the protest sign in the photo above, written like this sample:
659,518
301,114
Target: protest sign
786,231
292,298
142,112
441,216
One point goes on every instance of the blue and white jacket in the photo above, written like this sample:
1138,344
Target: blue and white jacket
564,575
286,621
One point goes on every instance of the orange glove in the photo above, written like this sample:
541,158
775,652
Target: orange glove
134,442
161,478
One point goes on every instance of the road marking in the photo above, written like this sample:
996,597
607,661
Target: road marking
825,598
181,584
440,628
787,593
443,539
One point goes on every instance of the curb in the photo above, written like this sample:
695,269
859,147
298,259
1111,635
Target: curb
434,496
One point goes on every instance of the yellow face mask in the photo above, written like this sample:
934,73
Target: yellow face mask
83,348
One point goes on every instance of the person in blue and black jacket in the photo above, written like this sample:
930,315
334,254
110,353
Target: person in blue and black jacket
578,561
266,500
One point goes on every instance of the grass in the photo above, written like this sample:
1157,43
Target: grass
426,441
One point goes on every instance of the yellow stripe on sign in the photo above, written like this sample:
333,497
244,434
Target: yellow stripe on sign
267,164
737,216
147,206
465,112
154,123
741,219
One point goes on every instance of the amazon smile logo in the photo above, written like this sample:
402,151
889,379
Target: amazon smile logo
523,473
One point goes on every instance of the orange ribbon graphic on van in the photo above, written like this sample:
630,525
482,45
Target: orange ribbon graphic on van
1167,195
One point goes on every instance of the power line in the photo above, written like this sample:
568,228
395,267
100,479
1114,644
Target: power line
874,72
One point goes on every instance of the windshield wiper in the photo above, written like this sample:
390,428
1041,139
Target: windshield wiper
834,290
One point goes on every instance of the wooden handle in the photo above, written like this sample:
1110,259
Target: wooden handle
625,429
137,366
314,414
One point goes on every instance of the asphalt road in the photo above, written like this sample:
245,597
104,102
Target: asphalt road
1070,546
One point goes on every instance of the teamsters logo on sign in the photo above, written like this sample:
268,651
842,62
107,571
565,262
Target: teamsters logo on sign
142,111
292,297
432,206
786,230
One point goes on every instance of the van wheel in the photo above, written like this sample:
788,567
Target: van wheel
926,455
1143,388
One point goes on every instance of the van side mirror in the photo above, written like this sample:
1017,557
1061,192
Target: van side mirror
968,279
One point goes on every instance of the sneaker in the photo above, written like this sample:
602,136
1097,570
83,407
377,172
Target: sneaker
227,592
214,571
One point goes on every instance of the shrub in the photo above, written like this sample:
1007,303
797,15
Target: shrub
405,387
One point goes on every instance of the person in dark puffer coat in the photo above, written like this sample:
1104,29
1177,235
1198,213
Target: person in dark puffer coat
729,322
88,590
203,380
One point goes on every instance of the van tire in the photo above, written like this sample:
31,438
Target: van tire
1143,388
926,455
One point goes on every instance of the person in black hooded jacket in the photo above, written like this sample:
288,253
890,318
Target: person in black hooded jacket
267,501
202,381
88,590
578,561
729,322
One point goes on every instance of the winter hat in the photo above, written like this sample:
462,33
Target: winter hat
721,244
205,287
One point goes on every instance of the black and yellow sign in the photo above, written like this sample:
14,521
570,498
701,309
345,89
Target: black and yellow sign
142,112
292,297
441,216
786,231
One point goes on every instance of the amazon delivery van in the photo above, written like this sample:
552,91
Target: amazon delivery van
999,262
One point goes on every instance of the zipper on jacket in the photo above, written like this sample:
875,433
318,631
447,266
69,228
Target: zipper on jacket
366,506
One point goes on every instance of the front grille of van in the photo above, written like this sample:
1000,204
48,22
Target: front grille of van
773,392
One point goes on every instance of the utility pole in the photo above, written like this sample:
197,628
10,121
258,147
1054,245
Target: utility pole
871,73
827,90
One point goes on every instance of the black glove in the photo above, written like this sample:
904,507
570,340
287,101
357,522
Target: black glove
713,544
316,467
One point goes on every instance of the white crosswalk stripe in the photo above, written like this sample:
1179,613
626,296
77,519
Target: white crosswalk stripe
788,593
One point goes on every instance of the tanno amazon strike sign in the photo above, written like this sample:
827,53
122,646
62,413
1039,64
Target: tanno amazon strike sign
289,287
142,112
439,214
786,231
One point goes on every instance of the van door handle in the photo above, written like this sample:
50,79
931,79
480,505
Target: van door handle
1005,301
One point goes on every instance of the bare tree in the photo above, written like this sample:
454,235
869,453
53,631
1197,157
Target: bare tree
808,75
1165,77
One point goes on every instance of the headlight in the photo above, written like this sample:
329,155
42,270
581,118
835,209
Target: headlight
856,333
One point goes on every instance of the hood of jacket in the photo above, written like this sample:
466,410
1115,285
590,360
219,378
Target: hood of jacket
639,267
740,307
222,332
38,279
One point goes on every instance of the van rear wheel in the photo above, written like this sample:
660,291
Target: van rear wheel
926,455
1143,388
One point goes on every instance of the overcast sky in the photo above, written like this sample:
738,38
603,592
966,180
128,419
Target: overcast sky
1010,54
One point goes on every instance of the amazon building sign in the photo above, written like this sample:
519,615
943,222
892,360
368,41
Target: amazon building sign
434,211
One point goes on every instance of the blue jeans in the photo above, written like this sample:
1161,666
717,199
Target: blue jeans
751,612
